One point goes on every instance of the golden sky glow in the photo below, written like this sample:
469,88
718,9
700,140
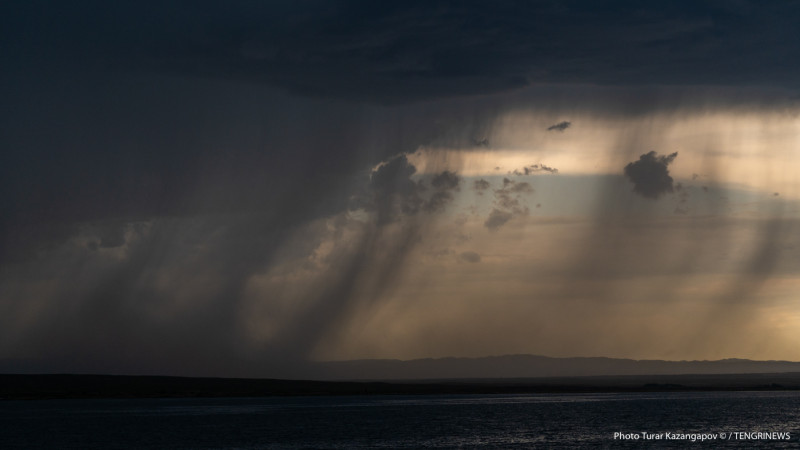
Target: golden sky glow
757,150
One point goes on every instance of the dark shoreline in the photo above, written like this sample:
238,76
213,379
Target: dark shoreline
61,386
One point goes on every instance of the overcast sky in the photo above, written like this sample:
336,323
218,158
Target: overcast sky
235,188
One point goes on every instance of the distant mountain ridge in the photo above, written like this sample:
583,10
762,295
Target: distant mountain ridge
533,366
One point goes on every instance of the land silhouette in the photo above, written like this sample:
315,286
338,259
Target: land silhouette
513,374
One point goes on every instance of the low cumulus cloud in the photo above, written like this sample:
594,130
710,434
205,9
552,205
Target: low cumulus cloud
481,185
534,168
393,193
561,126
516,187
470,257
508,203
508,197
497,218
650,174
683,199
446,180
444,185
438,201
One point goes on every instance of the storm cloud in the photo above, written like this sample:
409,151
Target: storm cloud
395,52
195,188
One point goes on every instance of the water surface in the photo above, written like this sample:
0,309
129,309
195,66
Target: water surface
433,421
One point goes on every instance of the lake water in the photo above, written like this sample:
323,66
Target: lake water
735,419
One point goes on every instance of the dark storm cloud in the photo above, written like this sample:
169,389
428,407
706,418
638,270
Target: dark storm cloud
401,51
650,175
119,149
561,126
109,235
154,164
132,282
87,146
218,175
110,299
